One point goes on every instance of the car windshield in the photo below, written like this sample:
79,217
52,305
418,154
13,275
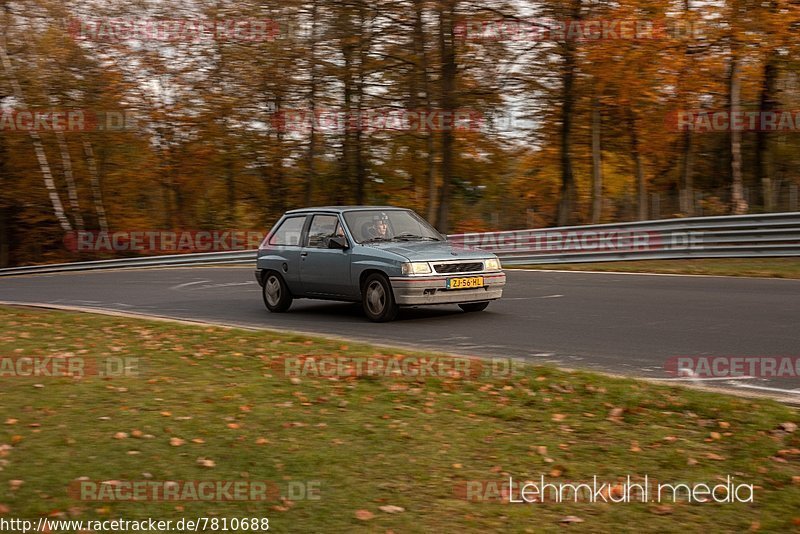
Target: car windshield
368,226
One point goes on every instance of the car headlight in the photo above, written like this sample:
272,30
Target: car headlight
493,264
417,268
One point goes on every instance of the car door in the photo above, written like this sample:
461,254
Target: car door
324,271
286,242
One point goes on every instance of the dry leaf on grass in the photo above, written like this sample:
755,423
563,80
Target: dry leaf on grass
391,509
206,462
364,515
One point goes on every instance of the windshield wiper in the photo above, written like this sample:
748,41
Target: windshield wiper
414,236
375,239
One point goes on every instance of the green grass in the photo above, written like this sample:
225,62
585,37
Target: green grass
399,441
761,267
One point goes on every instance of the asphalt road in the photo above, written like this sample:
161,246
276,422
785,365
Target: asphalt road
623,324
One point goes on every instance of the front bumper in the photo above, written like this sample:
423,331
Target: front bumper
423,290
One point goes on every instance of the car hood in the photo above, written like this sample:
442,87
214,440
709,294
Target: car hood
431,250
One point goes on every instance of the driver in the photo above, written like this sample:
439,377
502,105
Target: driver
380,226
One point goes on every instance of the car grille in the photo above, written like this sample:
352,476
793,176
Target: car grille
448,268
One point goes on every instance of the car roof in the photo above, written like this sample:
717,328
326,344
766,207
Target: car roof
342,209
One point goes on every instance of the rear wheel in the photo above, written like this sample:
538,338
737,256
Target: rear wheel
474,306
378,300
276,294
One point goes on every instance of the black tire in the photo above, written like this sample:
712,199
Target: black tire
377,299
474,306
277,297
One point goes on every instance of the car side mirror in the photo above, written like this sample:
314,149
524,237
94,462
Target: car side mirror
338,243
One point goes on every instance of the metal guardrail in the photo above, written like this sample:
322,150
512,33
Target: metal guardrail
173,260
740,236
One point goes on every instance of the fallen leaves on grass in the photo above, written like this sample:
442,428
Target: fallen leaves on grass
176,442
206,462
615,415
391,509
571,519
662,509
364,515
121,435
788,427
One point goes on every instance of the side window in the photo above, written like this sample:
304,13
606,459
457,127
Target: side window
322,227
288,233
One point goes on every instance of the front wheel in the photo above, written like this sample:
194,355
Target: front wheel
378,300
276,294
473,306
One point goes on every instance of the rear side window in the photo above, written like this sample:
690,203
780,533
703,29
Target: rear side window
322,228
288,233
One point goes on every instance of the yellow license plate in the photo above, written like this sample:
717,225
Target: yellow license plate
465,283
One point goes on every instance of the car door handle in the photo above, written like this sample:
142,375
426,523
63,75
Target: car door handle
304,254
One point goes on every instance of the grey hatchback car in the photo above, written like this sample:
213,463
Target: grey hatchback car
382,256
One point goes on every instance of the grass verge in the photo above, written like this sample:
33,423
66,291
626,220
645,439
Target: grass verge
211,404
760,267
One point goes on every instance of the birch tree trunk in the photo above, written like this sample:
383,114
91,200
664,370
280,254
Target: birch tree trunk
72,189
449,71
597,164
41,156
97,192
738,203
